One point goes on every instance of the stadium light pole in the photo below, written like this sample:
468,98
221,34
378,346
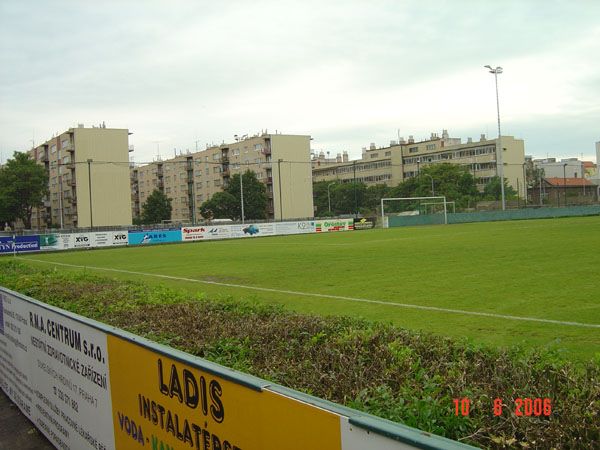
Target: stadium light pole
329,196
499,162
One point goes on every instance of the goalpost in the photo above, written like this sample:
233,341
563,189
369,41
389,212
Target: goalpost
411,210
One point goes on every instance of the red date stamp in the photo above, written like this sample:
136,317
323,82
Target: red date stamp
523,407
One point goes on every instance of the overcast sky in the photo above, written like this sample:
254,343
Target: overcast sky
185,73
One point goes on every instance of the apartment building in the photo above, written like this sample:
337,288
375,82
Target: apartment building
88,172
281,162
404,159
566,167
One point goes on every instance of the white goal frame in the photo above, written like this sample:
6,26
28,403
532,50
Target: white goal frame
443,198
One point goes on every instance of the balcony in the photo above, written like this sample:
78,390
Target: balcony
225,173
71,182
224,159
269,180
266,151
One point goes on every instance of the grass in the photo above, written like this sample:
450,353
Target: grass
544,269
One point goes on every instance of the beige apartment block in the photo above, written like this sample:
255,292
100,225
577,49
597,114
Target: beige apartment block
76,160
281,162
391,165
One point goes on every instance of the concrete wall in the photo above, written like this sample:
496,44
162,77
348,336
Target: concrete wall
110,180
296,199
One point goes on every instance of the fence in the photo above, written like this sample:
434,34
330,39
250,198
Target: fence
490,216
136,236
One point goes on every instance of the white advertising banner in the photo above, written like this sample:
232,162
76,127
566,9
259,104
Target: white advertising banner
81,240
252,230
294,227
108,238
56,370
218,232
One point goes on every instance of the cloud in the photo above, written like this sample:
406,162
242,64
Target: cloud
349,73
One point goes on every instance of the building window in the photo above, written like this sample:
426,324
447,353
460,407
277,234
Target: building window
217,182
374,155
388,153
53,148
413,149
258,147
430,147
236,151
216,156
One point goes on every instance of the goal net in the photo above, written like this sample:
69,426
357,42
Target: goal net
405,211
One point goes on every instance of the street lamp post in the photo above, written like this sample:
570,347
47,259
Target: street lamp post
89,162
329,196
499,158
432,185
242,193
525,184
565,183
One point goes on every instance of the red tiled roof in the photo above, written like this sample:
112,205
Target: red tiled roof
572,182
589,165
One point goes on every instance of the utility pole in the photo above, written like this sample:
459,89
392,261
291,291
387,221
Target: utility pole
355,198
279,176
242,193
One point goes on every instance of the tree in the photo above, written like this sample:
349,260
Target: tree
493,190
373,197
454,182
227,204
157,208
255,196
222,205
23,185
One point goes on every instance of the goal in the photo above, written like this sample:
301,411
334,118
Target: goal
404,211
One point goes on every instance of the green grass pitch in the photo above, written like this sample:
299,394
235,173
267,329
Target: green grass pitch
546,269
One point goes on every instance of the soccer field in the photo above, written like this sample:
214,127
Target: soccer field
532,283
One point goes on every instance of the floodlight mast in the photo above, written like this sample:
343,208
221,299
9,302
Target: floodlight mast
499,150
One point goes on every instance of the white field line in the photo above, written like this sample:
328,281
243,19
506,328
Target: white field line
335,297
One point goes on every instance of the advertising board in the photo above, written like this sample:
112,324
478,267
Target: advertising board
365,223
55,369
147,237
302,227
193,233
55,241
108,238
217,232
19,244
252,230
327,226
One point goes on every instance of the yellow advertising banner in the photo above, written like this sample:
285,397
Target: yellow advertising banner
161,403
